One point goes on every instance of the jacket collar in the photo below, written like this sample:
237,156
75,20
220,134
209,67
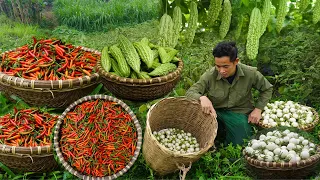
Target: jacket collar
239,73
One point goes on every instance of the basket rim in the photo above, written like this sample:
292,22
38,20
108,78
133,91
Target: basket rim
162,147
307,127
18,150
50,84
56,137
284,165
156,80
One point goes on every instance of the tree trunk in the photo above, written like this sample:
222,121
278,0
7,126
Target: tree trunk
15,12
1,8
22,16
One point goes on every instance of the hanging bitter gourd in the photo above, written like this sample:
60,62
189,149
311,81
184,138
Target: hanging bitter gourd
239,28
265,16
226,19
166,25
177,25
303,4
316,12
252,45
281,14
214,10
192,24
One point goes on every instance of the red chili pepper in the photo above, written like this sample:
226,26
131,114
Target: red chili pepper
48,54
100,138
19,130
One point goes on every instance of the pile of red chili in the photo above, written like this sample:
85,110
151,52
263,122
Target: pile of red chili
48,59
98,138
27,127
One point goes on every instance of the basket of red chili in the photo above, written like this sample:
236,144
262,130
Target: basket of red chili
97,137
25,144
49,72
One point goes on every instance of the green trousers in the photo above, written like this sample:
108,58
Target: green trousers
233,127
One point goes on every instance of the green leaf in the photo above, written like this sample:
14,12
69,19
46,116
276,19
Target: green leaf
180,91
7,170
97,89
281,89
245,2
143,108
18,177
67,175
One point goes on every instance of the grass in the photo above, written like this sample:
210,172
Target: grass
100,15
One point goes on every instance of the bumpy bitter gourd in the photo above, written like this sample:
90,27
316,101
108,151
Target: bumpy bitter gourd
226,19
281,14
252,45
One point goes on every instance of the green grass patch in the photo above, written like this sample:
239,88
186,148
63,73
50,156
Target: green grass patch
14,34
100,15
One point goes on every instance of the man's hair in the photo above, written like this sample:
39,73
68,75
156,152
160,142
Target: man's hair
226,49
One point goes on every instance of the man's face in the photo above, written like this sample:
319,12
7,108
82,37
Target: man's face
225,67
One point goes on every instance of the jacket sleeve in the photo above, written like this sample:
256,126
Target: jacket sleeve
265,88
199,88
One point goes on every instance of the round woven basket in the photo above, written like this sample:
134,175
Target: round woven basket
309,127
282,170
59,125
140,89
181,113
28,159
56,94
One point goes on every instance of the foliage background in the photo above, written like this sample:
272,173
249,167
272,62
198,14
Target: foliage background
289,59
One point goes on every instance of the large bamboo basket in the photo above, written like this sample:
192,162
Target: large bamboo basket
57,137
56,94
28,159
140,89
181,113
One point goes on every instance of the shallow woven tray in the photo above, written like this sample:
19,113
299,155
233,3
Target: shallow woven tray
273,170
57,137
283,170
140,89
182,113
56,94
28,159
308,127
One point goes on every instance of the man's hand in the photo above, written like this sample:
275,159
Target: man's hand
255,116
207,106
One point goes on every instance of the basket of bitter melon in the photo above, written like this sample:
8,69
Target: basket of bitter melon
140,70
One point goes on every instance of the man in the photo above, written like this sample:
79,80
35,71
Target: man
225,92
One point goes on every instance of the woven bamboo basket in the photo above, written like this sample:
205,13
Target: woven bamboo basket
282,170
181,113
59,125
28,159
140,89
308,127
56,94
